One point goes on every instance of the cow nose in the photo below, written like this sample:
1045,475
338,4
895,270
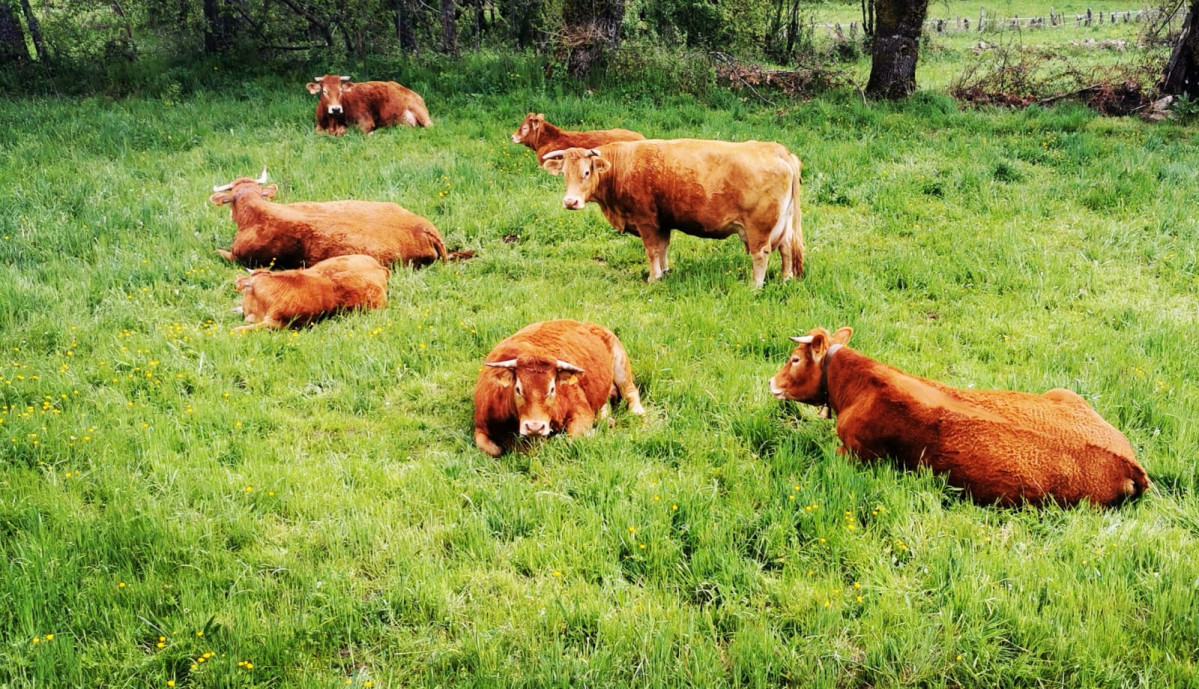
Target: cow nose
572,204
515,140
534,428
335,109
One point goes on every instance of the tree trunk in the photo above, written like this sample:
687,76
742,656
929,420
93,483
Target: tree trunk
896,46
449,28
592,34
35,32
406,27
1182,71
12,37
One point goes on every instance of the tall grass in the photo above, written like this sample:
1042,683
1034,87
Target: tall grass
308,507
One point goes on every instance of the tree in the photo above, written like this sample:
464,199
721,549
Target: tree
449,28
12,37
35,32
592,33
896,45
1182,71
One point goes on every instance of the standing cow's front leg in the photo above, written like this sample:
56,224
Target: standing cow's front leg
656,243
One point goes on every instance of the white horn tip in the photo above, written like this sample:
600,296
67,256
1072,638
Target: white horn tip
806,339
553,154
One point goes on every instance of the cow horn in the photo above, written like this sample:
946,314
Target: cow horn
566,366
593,153
346,78
554,154
222,187
509,364
806,339
262,179
317,79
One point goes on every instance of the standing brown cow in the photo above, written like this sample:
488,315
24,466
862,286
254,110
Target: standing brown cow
299,297
291,235
707,189
1003,447
366,105
549,377
543,137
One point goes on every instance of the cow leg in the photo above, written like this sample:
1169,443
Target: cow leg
622,376
788,255
228,256
760,258
410,119
655,250
367,124
581,423
486,444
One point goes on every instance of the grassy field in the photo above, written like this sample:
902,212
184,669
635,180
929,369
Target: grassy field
183,505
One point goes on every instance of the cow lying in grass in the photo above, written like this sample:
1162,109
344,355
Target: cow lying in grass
543,137
710,189
366,105
550,377
292,235
300,297
1002,447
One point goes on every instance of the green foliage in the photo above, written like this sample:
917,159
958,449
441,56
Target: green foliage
308,507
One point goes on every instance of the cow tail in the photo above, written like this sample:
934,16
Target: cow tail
796,238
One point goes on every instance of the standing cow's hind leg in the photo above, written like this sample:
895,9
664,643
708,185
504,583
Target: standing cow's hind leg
760,258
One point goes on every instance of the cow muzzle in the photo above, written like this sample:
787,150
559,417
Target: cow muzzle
334,109
573,204
777,391
530,427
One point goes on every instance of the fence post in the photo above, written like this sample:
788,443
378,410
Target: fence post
1088,16
980,20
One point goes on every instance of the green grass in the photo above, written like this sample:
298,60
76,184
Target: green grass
312,501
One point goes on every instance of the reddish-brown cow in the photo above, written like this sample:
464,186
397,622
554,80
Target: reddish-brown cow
366,105
549,377
1003,447
299,297
707,189
543,137
292,235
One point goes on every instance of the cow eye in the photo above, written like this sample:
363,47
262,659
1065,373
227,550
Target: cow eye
518,390
551,391
586,174
794,360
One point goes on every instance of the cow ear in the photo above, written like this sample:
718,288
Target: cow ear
242,282
221,197
842,335
553,165
819,344
347,86
269,191
313,87
600,165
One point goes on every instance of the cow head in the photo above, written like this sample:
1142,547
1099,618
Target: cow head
582,168
802,377
227,193
535,382
331,87
529,131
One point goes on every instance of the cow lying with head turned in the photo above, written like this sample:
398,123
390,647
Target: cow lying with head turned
366,105
549,377
300,297
291,235
1003,447
543,137
707,189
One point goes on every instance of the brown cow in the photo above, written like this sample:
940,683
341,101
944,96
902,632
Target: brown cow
1003,447
292,235
299,297
543,137
367,105
549,377
703,188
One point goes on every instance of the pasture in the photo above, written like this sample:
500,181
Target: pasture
181,506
